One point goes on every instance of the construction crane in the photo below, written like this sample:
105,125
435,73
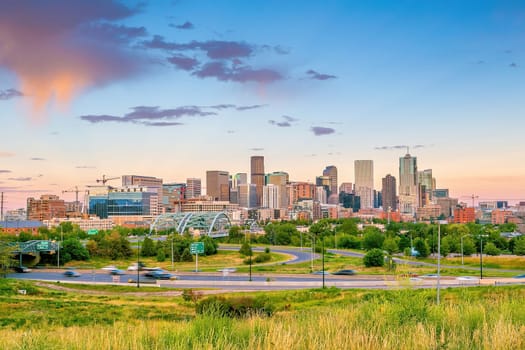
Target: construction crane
473,197
106,179
76,191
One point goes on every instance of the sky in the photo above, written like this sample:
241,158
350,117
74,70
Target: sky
174,88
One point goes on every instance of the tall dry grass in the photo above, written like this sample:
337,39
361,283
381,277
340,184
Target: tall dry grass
407,319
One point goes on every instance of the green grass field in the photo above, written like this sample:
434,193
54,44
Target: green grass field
469,318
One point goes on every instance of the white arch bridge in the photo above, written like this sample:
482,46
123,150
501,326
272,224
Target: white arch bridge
212,224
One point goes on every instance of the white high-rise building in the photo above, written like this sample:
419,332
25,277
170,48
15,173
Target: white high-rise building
193,188
272,196
364,182
408,185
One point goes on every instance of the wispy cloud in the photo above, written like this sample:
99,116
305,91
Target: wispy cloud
287,122
321,130
403,147
312,74
20,178
9,94
4,171
256,149
37,158
245,108
85,167
217,59
185,26
150,115
6,154
513,65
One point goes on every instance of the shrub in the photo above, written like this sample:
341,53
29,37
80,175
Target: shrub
161,256
267,250
186,255
264,257
246,249
491,249
237,307
374,257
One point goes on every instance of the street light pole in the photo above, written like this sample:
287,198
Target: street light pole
138,261
322,246
481,257
439,260
172,260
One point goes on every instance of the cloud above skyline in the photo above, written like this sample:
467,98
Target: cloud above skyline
85,167
287,122
20,178
220,59
37,158
9,94
321,130
384,148
185,26
75,51
312,74
4,171
155,116
4,154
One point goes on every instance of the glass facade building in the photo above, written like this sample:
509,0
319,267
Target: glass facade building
121,203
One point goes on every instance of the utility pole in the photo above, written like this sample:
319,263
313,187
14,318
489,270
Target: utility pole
2,206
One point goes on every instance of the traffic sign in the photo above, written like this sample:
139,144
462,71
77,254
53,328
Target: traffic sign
42,246
197,248
92,231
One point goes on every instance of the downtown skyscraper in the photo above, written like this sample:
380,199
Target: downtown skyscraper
388,192
408,185
364,182
257,177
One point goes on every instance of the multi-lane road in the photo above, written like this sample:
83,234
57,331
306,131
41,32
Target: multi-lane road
240,281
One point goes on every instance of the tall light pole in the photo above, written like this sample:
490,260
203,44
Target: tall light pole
61,239
138,261
462,260
322,246
439,260
172,260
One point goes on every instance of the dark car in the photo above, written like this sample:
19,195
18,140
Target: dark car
320,272
345,272
520,276
22,269
159,275
117,272
71,273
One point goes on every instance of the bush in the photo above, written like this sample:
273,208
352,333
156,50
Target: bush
267,250
161,256
234,307
186,255
491,249
246,249
374,257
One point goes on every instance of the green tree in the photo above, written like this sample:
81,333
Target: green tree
246,249
186,255
491,249
161,256
118,246
422,247
469,247
6,257
210,245
374,257
519,246
148,247
390,245
373,238
72,249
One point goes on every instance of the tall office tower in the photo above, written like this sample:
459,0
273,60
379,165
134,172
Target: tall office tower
247,195
321,194
364,182
239,179
331,172
325,182
218,185
408,197
346,187
257,176
426,186
389,193
193,188
46,208
281,179
272,196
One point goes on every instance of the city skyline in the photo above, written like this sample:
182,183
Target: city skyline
173,89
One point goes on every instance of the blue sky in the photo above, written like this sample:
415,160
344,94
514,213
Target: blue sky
175,88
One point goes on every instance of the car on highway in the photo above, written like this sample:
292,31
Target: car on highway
22,269
109,268
117,272
345,272
227,269
519,276
467,278
160,275
320,273
430,275
135,266
71,273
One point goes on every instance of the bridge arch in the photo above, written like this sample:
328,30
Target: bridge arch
212,224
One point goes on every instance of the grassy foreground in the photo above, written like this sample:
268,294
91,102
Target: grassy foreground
470,318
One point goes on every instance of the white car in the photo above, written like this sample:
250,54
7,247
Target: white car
109,268
467,278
